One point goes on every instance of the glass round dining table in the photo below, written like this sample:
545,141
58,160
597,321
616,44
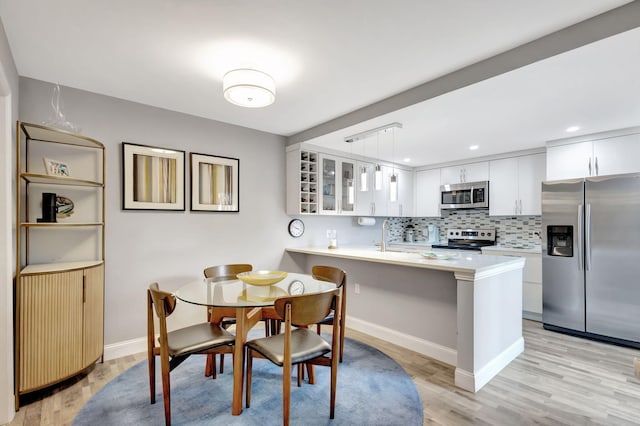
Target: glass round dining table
235,298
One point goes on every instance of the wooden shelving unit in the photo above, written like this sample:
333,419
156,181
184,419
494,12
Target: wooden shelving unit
59,286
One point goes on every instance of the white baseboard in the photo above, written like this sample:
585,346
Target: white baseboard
124,348
424,347
534,316
473,382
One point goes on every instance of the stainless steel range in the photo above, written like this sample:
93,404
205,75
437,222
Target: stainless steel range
468,239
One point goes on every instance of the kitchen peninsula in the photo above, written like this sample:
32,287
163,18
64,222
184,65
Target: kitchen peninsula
465,311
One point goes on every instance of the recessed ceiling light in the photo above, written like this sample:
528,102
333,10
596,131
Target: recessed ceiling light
406,160
474,147
572,128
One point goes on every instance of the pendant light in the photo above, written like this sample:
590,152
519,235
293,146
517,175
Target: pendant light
377,174
393,182
378,169
350,189
364,175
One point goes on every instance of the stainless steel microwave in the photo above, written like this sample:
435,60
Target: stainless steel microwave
468,195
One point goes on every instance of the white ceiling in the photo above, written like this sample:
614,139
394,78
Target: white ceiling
332,57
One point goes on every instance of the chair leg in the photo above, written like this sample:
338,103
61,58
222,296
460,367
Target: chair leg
207,368
300,374
249,357
221,363
311,373
286,393
166,391
341,338
152,377
213,366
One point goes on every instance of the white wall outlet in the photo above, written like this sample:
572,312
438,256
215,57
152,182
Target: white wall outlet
356,288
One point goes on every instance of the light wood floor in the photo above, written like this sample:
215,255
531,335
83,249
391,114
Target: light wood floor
558,380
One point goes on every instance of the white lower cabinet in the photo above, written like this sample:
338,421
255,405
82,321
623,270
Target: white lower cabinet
515,185
531,280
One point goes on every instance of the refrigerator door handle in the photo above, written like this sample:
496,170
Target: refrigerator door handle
587,237
589,166
580,245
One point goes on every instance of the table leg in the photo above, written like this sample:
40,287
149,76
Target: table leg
245,319
215,315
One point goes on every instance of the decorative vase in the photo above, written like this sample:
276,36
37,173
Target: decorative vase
49,208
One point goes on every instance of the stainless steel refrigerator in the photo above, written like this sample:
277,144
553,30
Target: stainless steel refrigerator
591,257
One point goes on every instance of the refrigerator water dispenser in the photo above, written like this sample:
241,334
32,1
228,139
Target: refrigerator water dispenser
560,240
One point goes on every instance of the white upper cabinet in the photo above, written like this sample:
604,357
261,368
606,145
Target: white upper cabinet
471,172
302,182
617,155
337,183
569,161
531,173
427,193
403,206
365,205
598,157
515,185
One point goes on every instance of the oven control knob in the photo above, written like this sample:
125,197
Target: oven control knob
482,234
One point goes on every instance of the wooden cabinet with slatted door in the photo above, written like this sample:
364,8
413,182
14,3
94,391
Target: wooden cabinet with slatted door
59,286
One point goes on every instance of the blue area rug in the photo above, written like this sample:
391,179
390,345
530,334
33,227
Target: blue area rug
372,389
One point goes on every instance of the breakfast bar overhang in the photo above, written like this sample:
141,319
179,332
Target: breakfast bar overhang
465,311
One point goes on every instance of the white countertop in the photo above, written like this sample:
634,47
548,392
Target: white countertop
466,262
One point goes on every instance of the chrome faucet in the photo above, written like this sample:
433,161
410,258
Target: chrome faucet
383,243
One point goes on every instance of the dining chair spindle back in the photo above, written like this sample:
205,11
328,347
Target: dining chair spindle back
177,345
299,345
339,278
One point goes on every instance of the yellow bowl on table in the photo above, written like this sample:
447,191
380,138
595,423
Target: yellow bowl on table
262,277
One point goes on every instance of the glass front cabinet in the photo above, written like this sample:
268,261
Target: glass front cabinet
338,185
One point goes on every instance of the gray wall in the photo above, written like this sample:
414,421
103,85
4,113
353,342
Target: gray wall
174,247
171,247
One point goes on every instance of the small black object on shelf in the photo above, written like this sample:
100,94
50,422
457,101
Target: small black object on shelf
49,208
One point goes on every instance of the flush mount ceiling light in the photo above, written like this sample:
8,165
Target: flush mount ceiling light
571,129
249,88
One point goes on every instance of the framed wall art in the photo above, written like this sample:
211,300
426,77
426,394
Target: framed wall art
152,178
56,167
214,183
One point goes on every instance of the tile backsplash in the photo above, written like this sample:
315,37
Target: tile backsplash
508,228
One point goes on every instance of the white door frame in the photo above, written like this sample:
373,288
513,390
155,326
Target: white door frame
7,204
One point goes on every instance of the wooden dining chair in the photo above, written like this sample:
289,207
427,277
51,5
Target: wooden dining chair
339,278
177,345
299,345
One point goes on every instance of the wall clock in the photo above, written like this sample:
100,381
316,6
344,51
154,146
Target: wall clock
296,287
296,228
